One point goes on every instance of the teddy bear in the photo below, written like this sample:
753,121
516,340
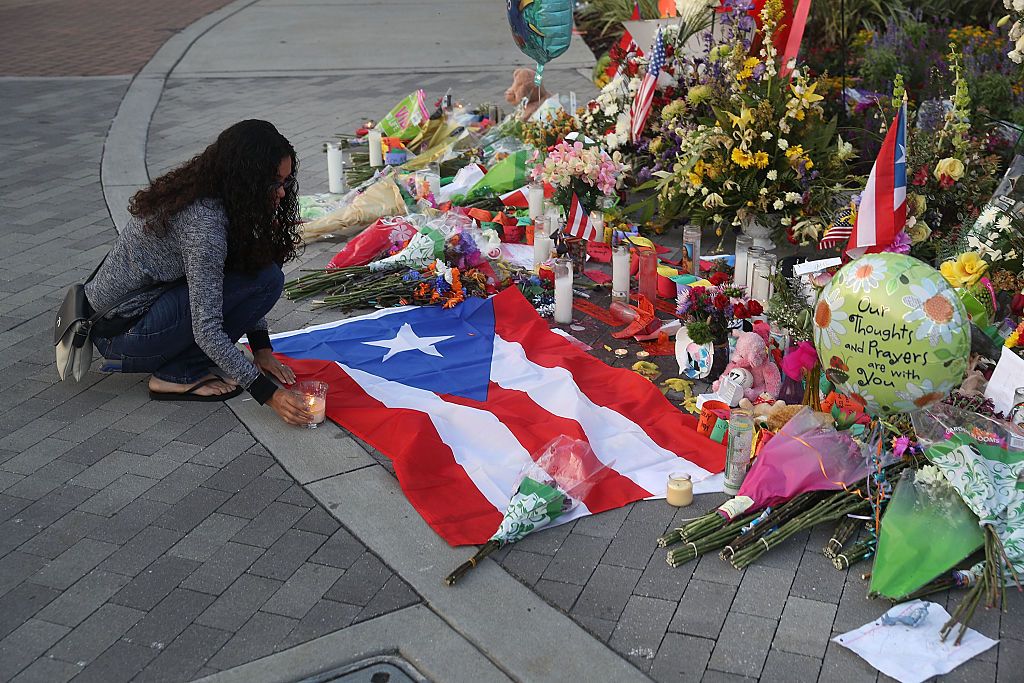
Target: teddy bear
524,87
752,354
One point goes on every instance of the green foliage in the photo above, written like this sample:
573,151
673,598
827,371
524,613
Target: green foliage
993,93
700,332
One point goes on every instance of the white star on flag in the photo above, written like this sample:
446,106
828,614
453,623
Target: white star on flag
407,340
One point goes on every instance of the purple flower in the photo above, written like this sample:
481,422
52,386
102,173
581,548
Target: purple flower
900,444
900,244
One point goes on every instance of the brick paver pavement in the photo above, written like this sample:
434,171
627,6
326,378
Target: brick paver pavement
137,539
90,37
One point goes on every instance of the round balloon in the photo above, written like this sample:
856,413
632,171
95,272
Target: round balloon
541,28
892,333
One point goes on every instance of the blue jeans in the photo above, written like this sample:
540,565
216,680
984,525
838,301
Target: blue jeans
162,342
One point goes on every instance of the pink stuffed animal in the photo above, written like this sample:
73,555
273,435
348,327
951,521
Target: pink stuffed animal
752,354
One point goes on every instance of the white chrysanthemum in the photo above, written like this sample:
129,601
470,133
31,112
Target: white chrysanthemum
794,197
988,216
773,174
783,144
766,135
778,205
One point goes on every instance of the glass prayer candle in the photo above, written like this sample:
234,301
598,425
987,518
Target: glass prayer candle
691,245
373,138
741,442
761,282
314,396
620,273
752,255
542,247
535,199
743,244
597,222
563,291
679,491
648,273
335,169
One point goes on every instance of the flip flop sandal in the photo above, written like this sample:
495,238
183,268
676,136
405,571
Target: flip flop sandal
190,395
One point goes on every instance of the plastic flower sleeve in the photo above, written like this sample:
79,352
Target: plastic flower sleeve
925,531
982,459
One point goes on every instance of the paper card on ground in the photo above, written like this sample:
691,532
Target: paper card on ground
912,654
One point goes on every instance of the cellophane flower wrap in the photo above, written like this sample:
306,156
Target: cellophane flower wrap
806,455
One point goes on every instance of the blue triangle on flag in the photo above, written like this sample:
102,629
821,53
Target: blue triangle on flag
443,350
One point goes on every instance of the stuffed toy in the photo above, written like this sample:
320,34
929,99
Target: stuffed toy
752,354
760,410
523,87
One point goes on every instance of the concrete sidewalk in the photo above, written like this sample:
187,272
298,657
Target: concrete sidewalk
141,541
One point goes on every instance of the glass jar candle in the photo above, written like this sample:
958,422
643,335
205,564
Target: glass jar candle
743,244
761,282
620,273
563,291
752,255
741,442
535,199
691,245
648,273
679,491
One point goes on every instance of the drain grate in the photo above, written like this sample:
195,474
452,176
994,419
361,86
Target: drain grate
383,669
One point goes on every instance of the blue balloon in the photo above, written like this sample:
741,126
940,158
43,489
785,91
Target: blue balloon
541,28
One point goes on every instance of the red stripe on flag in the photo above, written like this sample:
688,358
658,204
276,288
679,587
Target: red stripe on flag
534,427
885,184
424,463
620,390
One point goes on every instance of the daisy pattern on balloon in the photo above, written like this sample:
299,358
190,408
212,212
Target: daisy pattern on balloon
921,395
933,305
864,275
829,319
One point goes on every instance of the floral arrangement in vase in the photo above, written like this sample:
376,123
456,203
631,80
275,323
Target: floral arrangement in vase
585,170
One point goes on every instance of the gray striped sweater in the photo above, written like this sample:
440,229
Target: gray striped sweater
195,248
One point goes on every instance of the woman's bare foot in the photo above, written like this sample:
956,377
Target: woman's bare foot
217,388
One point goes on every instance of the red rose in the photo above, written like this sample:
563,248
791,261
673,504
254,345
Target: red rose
697,292
755,307
719,278
720,301
945,182
739,311
1017,304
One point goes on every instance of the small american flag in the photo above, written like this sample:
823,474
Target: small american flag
578,222
641,107
839,231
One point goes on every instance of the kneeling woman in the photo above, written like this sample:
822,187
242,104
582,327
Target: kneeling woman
215,233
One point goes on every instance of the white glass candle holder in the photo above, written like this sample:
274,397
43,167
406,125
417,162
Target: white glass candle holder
335,169
753,253
743,244
373,138
679,490
620,273
691,245
535,198
314,395
761,282
563,291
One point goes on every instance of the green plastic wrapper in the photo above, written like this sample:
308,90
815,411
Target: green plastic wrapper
926,531
405,119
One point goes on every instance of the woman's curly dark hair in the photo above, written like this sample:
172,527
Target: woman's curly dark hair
239,169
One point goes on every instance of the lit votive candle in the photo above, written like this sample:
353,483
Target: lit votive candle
314,396
680,489
318,407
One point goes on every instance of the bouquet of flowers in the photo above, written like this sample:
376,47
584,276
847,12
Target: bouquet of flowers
748,141
584,170
709,311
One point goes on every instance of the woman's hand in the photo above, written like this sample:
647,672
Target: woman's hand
291,407
266,362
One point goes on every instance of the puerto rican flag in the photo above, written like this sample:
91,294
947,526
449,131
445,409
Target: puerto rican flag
883,204
520,198
461,398
578,223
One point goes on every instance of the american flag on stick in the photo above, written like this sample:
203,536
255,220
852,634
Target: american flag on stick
840,230
641,107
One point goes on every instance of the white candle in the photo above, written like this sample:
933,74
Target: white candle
376,148
563,291
317,406
541,249
743,243
679,491
536,200
597,221
620,273
335,169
